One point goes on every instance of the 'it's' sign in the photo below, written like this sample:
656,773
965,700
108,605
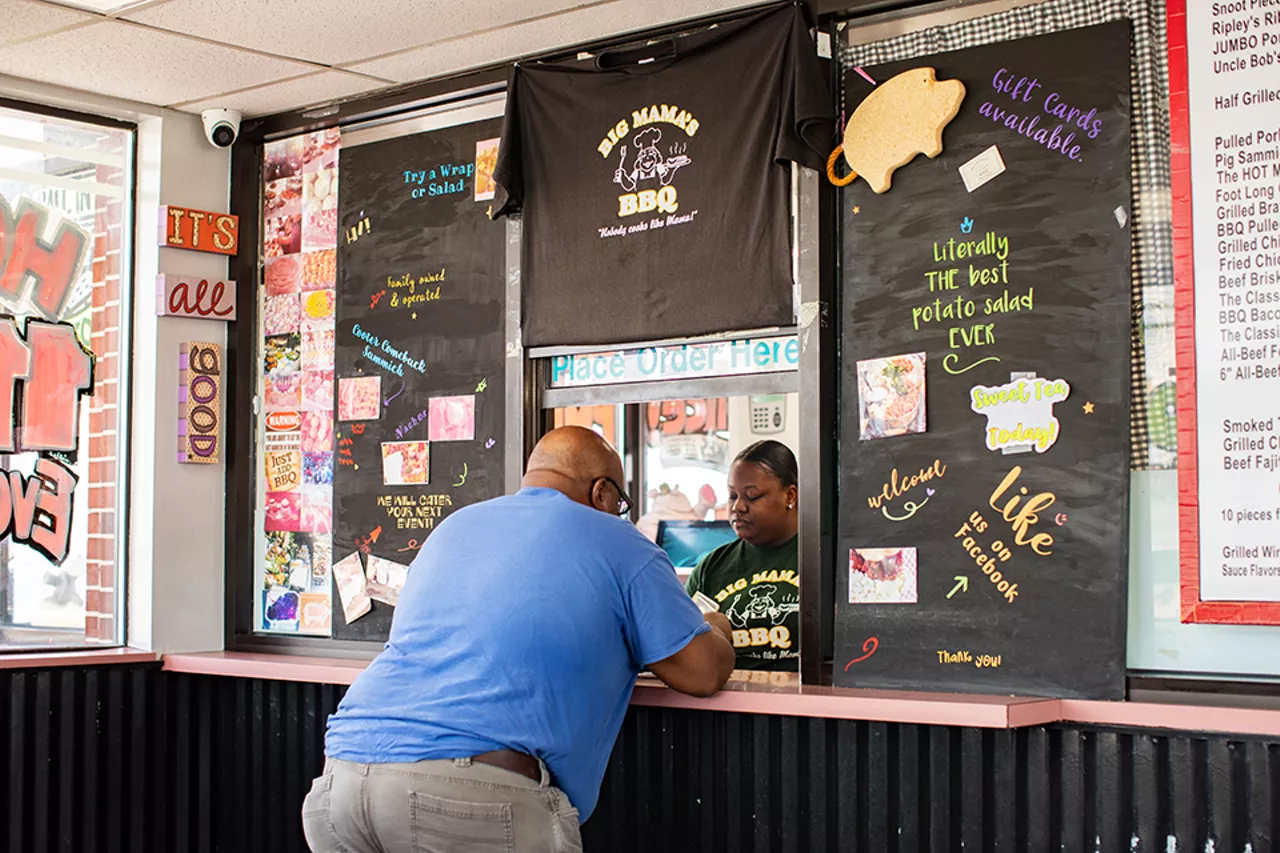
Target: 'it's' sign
200,230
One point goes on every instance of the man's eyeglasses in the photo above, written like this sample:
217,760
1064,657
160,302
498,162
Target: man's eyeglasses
624,502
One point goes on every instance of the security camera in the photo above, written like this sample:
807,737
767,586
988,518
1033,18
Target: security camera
221,127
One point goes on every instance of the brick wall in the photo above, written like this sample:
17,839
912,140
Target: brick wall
104,416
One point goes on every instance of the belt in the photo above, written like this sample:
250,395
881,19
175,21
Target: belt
509,759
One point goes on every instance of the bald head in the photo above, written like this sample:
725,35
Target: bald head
574,460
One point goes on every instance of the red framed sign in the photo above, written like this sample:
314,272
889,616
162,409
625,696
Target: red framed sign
1226,233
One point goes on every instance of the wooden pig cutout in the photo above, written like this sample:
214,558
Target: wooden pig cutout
902,117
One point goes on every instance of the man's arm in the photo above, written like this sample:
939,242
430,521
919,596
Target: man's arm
703,665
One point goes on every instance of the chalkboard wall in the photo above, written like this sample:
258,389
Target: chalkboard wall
982,524
419,346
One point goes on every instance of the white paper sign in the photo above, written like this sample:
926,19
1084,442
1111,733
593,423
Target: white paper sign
1020,413
982,168
1234,94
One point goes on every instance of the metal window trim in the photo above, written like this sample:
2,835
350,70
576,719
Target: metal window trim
127,194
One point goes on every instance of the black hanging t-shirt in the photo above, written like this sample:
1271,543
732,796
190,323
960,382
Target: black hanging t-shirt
655,193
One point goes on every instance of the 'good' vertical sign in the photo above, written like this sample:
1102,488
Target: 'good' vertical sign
199,402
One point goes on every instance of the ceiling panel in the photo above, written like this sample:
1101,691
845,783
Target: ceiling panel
312,90
125,61
336,32
538,36
24,19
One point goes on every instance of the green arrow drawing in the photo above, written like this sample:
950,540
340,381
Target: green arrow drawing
962,585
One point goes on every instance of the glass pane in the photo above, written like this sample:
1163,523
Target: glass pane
688,447
65,191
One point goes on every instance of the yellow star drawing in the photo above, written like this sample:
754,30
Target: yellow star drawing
856,210
1088,408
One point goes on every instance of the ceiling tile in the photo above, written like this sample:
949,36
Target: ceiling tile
334,32
126,61
539,36
303,92
24,19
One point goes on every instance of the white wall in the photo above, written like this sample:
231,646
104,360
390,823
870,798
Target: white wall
740,434
176,524
176,558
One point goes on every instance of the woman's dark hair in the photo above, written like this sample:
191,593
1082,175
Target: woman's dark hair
774,457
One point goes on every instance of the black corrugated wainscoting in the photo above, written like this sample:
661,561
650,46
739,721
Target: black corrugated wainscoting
129,758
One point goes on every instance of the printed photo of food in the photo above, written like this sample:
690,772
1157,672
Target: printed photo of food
451,418
282,275
282,159
882,576
281,315
385,579
359,398
282,548
317,509
320,269
317,390
316,612
320,150
317,346
317,432
283,511
319,305
406,463
317,469
321,560
891,396
280,610
320,210
282,198
282,392
281,353
486,163
282,236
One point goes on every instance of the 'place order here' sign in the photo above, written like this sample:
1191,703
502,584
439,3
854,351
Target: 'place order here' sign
678,361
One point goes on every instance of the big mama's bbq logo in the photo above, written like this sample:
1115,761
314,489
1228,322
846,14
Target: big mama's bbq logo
649,149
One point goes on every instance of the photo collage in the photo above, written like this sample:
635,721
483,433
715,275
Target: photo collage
299,251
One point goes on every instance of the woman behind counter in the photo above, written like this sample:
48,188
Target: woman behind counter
754,579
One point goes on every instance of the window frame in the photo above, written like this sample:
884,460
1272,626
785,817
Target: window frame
243,459
124,388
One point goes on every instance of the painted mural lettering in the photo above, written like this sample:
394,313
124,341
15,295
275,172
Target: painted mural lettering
44,371
40,271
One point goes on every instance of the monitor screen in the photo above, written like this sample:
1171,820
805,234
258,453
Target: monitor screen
686,541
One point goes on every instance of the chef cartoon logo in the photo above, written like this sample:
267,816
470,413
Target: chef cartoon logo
648,159
647,164
756,614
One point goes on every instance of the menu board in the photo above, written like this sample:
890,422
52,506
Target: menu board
982,529
419,415
1233,51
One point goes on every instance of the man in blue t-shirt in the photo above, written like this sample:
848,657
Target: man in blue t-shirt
488,719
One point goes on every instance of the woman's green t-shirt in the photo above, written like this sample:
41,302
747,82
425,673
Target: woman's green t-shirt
758,589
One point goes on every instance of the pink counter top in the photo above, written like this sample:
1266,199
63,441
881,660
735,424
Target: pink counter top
77,657
782,694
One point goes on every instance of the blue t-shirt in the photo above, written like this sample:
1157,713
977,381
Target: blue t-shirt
522,625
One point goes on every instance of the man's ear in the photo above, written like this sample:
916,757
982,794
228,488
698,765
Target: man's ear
596,497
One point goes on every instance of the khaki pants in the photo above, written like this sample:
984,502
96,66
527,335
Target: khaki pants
445,806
